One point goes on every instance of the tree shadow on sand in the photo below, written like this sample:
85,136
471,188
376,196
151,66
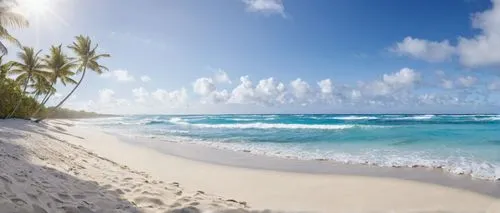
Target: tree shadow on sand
26,187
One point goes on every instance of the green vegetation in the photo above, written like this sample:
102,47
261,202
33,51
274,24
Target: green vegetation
70,114
29,82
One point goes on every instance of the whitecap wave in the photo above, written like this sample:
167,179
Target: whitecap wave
415,117
269,126
491,118
178,120
353,117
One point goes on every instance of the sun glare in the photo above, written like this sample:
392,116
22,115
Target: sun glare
34,7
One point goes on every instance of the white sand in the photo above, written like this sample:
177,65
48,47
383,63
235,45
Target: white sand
51,167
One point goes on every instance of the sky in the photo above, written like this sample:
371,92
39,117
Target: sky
278,56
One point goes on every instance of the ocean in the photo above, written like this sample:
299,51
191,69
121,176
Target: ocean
459,144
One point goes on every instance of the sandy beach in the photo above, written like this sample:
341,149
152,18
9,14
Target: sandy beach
59,167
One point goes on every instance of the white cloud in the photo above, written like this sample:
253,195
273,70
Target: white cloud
392,91
145,78
266,6
119,75
423,49
243,93
140,94
218,97
300,89
171,99
267,92
482,50
107,100
447,84
106,95
204,86
404,78
494,85
220,76
392,87
326,86
467,81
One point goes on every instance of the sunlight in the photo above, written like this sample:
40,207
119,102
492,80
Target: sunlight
34,7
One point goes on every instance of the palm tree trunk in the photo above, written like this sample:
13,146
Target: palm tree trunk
21,98
65,98
44,100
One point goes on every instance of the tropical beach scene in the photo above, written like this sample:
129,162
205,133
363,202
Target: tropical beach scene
239,106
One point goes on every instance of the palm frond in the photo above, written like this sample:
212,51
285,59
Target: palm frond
13,19
4,34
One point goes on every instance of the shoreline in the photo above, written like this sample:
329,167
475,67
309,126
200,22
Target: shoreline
100,171
300,192
248,160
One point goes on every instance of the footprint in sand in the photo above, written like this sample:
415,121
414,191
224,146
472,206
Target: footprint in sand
83,209
148,200
19,202
5,179
64,196
38,209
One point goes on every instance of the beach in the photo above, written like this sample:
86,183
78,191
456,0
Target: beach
60,166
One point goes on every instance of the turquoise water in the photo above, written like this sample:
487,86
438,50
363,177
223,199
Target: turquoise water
460,144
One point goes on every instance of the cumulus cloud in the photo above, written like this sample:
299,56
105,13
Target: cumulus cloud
423,49
266,6
392,89
406,77
204,86
300,89
243,93
267,92
326,86
396,89
220,76
447,84
145,78
106,95
494,85
480,50
140,94
467,81
119,75
108,100
171,99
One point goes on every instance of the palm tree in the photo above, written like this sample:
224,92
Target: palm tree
4,71
60,67
9,19
30,66
41,86
87,57
5,68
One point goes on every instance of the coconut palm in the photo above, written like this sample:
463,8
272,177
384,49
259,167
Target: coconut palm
5,68
29,68
8,18
61,68
40,86
87,58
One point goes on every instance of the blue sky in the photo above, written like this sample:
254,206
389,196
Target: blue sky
273,56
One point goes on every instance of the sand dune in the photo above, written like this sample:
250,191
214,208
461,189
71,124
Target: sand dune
59,167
